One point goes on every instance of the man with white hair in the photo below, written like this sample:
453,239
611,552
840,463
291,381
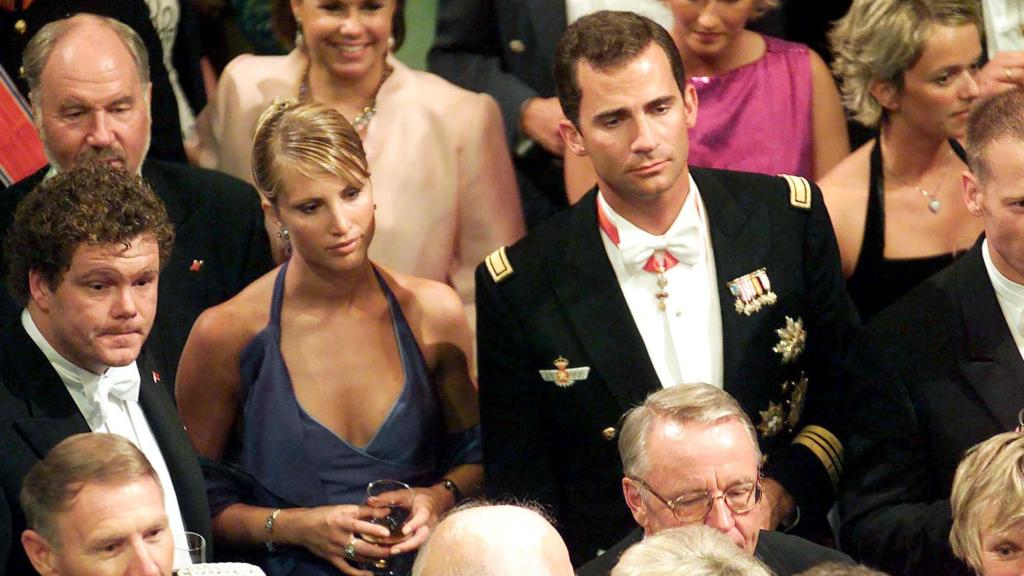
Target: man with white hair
690,456
493,541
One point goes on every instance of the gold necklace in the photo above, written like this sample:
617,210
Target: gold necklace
361,120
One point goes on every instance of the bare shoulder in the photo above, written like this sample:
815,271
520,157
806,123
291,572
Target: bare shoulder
430,307
846,185
230,325
819,69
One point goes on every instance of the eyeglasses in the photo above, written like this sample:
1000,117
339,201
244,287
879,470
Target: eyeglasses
694,507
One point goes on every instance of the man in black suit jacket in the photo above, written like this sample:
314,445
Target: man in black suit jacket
85,252
221,245
561,350
684,449
505,48
943,369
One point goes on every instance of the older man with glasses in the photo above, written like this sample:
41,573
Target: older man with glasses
690,456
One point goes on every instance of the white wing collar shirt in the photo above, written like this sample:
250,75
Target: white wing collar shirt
670,286
1010,296
110,403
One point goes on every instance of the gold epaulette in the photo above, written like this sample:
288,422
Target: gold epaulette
826,447
498,265
799,191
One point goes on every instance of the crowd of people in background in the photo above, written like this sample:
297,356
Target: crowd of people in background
603,292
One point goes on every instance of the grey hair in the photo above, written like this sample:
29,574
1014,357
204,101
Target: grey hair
879,40
696,550
683,404
39,48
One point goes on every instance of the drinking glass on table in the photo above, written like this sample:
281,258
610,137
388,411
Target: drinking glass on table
393,499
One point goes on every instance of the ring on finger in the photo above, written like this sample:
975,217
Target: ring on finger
350,549
1008,73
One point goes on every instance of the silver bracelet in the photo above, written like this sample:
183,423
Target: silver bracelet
268,526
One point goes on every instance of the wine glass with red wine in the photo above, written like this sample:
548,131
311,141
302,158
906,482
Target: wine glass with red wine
394,501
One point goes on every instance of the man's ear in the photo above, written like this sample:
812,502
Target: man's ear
690,105
572,137
974,195
39,552
39,290
631,492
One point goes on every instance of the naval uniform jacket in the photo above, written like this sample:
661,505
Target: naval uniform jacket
943,374
554,294
784,554
220,247
37,412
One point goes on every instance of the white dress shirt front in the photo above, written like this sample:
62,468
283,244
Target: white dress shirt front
1004,25
124,418
684,341
1010,296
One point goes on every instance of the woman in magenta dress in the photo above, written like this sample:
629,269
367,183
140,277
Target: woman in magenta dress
764,104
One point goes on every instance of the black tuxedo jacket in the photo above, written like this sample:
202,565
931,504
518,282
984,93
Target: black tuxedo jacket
942,373
220,247
786,555
36,413
557,445
506,48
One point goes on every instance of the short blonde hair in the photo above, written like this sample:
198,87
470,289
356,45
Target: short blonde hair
55,481
696,550
313,139
879,40
988,493
683,404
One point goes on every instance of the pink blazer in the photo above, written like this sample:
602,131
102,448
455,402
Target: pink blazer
441,173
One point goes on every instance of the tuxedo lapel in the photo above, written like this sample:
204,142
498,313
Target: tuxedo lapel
53,415
740,241
589,292
177,209
181,460
991,362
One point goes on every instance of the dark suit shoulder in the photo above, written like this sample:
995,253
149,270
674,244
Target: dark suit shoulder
211,187
792,194
533,254
917,310
786,554
603,564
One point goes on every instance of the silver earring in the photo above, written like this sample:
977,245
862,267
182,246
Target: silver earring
285,239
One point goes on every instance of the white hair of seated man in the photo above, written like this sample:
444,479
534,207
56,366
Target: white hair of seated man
490,540
695,550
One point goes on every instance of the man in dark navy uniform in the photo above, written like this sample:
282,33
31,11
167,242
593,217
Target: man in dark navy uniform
660,276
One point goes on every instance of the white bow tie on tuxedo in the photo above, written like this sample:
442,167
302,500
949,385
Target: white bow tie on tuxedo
684,244
121,382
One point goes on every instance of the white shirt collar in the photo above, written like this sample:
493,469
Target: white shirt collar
1004,287
689,215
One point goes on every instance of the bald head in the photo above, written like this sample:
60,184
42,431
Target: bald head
494,541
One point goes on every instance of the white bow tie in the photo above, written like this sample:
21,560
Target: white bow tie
120,382
684,245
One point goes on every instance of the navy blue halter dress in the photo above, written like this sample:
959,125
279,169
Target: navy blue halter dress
291,460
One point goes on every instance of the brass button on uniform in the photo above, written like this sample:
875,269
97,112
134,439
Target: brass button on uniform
609,433
517,46
20,26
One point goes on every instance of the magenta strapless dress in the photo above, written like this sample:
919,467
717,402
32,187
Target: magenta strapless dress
757,118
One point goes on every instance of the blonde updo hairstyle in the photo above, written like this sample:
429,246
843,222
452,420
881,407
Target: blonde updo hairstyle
987,494
879,40
313,139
